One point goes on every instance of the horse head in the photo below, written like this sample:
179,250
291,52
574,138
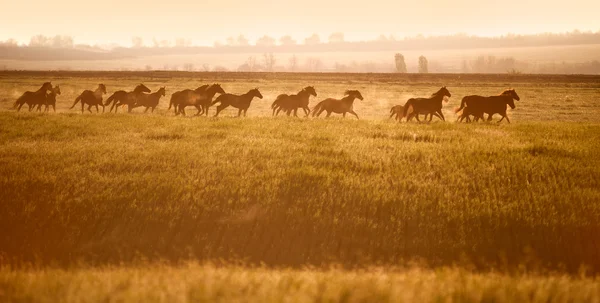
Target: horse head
56,90
216,88
310,90
256,93
354,93
162,91
512,93
444,92
102,88
142,89
47,86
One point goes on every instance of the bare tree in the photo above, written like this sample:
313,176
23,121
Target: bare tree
400,63
293,63
137,42
336,37
287,40
312,40
206,67
148,67
265,41
270,60
423,65
182,42
188,67
242,41
314,64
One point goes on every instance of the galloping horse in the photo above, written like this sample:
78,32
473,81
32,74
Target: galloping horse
201,100
150,100
293,102
241,102
91,98
431,105
33,98
491,105
130,98
176,96
398,113
50,99
343,106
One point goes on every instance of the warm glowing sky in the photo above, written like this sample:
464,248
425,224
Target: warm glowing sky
204,22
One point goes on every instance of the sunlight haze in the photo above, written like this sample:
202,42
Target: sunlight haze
203,23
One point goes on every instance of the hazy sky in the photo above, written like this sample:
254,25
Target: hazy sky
204,22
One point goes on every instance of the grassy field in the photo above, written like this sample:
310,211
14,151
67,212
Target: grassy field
105,190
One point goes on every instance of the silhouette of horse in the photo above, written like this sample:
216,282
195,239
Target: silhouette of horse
338,106
478,105
150,100
122,97
398,113
33,98
293,102
50,99
176,96
466,114
241,102
431,105
91,98
200,99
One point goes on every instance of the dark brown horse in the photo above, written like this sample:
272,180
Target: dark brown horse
176,97
290,103
200,99
91,98
478,105
122,97
33,98
241,102
397,112
338,106
431,105
50,99
150,100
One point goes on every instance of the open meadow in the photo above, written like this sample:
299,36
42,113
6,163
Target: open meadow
153,207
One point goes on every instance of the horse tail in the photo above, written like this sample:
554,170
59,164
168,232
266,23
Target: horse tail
76,101
114,97
462,105
317,108
171,101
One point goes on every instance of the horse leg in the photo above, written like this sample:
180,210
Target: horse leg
441,115
278,110
220,108
146,110
344,115
129,108
296,112
89,109
306,111
199,110
489,117
328,114
352,112
245,112
97,109
239,112
82,107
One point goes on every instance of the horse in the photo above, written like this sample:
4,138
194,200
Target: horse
397,112
150,100
293,102
431,105
33,98
200,99
175,97
50,99
241,102
122,97
91,98
490,105
466,114
338,106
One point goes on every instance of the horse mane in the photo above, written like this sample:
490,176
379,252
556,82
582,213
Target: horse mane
507,91
350,92
438,92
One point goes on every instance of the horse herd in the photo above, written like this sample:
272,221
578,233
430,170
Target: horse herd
202,99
